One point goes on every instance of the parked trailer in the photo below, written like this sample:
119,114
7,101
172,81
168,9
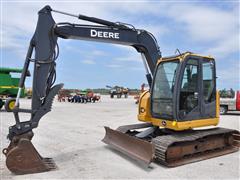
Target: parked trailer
118,91
230,103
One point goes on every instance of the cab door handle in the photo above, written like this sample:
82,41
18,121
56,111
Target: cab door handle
196,95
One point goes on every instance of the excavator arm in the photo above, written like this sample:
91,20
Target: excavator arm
45,48
44,44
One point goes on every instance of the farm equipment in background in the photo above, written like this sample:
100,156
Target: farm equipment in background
78,96
29,93
92,97
64,94
85,96
9,87
118,91
229,101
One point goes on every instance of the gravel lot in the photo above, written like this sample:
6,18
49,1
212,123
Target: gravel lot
72,133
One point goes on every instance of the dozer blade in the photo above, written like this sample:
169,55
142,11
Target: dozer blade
23,158
140,150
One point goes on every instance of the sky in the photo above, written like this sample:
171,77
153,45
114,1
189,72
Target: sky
207,28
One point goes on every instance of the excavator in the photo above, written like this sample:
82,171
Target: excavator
182,97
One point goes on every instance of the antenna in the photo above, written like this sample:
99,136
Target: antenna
177,51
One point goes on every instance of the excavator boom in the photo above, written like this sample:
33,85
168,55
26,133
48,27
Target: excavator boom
45,47
44,44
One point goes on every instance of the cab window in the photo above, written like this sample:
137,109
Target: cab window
189,87
162,91
208,81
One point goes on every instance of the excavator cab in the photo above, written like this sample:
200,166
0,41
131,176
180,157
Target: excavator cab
183,94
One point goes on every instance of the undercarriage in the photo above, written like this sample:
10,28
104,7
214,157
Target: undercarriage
172,148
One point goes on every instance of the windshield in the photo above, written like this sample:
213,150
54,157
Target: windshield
162,92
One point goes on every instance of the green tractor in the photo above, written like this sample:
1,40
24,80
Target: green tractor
9,87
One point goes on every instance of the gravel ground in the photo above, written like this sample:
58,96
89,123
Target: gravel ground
71,134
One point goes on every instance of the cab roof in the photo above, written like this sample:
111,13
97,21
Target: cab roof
182,56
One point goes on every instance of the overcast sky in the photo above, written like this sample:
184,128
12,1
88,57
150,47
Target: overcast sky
209,28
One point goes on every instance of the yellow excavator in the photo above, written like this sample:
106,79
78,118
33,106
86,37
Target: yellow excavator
182,97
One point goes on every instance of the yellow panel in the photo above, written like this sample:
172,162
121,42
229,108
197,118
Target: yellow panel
182,57
8,87
179,126
217,104
145,116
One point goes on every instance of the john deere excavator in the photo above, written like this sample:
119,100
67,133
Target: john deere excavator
182,97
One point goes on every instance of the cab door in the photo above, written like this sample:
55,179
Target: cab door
197,89
189,99
208,90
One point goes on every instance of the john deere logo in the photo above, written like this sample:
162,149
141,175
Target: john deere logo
164,123
104,34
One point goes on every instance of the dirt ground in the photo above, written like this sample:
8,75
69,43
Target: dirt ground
71,134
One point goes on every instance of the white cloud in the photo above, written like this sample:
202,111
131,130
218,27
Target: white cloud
113,65
202,22
88,61
137,68
91,50
130,58
99,53
205,23
223,48
216,28
23,20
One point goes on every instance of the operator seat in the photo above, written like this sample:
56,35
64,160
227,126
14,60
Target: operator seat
190,88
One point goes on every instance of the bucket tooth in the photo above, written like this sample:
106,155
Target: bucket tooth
141,151
23,158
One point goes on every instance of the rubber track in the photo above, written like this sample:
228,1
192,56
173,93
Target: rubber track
162,143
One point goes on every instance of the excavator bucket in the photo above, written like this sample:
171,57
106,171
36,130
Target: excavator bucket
140,150
23,158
